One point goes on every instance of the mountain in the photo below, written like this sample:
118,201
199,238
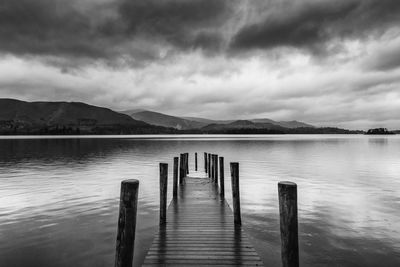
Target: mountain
208,121
286,124
160,119
65,117
242,125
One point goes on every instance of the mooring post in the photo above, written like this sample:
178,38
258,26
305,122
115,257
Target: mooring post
221,177
163,192
126,223
175,178
181,169
187,163
205,162
195,161
235,192
288,224
209,165
212,167
216,169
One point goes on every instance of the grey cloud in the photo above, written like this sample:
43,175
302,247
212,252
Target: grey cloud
313,24
134,29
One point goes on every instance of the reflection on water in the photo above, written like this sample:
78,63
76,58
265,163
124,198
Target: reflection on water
59,197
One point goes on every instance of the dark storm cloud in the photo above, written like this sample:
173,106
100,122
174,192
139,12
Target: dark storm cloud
109,29
313,24
141,30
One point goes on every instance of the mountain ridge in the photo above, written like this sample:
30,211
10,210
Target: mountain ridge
18,116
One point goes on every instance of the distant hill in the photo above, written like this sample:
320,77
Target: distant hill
287,124
208,121
241,124
20,117
160,119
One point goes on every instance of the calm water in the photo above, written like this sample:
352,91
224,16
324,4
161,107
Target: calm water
59,197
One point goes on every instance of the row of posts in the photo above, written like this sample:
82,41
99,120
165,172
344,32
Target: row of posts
287,192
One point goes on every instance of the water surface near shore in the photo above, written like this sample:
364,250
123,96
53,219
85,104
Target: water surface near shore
59,195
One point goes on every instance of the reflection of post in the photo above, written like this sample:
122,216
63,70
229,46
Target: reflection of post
175,178
163,192
235,192
221,177
195,161
126,223
288,223
205,162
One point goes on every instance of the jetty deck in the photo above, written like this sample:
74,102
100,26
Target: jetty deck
200,230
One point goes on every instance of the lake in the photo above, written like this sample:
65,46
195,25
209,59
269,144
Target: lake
59,196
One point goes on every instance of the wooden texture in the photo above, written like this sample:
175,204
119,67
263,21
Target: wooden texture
235,192
126,223
200,232
175,178
221,177
288,223
163,192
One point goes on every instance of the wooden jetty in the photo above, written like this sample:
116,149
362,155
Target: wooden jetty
199,228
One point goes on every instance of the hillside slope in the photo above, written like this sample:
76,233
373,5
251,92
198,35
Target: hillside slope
31,117
160,119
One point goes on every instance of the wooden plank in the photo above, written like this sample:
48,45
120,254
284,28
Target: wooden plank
200,231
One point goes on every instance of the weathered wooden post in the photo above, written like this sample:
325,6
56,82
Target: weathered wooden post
212,166
163,192
181,169
175,178
209,165
216,169
195,161
235,192
126,223
187,163
221,177
205,162
288,224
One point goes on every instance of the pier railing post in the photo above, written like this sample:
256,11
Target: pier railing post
235,192
288,224
181,169
209,165
163,192
175,178
126,223
187,163
212,167
221,177
205,162
216,170
195,161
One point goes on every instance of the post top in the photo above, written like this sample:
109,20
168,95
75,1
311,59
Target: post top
287,183
130,181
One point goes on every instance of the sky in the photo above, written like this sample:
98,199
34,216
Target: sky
328,63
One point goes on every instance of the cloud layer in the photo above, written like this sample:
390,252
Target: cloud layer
324,62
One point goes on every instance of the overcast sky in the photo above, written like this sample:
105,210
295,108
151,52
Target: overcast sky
320,61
